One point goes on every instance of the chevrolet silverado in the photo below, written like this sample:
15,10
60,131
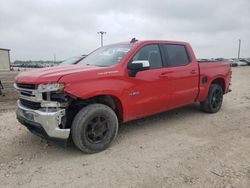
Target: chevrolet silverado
115,84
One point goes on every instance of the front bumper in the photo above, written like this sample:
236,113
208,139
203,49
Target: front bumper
43,123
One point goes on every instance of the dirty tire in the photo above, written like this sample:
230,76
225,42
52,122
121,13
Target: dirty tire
94,128
214,99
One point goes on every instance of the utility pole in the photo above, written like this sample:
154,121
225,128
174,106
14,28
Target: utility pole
239,49
54,58
101,33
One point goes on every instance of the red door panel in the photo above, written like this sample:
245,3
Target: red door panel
184,82
150,93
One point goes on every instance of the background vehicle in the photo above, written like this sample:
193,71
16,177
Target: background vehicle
240,63
115,84
245,61
72,60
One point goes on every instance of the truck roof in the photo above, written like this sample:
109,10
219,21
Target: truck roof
140,42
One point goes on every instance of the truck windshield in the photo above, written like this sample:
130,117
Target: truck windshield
72,60
107,55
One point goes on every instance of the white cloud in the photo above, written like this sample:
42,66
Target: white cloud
38,29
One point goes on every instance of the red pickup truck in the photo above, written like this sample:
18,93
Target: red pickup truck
114,84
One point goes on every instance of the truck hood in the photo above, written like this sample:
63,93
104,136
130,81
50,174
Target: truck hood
51,74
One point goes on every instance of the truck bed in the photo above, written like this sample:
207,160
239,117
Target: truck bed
209,61
210,70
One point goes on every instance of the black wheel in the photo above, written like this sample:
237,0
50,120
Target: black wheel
213,102
94,128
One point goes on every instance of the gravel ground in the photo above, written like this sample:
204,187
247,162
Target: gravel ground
180,148
8,100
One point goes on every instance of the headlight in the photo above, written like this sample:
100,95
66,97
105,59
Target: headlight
51,87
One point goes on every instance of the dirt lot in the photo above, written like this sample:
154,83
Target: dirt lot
181,148
8,101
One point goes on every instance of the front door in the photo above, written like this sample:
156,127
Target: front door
150,91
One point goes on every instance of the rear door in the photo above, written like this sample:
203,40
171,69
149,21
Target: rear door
183,74
150,92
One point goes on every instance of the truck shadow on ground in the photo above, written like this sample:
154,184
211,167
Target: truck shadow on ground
151,122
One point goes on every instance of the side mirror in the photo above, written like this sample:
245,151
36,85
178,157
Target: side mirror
136,66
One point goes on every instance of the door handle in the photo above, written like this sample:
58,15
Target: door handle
165,74
193,72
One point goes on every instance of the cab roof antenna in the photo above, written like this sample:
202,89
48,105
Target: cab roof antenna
133,40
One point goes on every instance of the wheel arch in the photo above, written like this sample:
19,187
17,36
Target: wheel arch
221,82
110,100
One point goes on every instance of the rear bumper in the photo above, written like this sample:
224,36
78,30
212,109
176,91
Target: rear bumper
43,123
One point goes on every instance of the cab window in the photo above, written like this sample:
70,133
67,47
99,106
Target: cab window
150,53
176,55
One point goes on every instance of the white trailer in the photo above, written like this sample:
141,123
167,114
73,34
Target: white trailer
4,59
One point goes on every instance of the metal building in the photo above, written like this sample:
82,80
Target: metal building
4,59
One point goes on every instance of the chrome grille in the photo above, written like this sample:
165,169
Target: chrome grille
30,104
27,86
